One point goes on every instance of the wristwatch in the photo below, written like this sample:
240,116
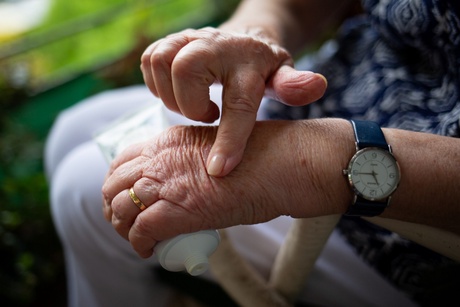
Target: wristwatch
373,172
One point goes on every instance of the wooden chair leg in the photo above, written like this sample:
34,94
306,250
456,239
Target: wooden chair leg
297,256
245,285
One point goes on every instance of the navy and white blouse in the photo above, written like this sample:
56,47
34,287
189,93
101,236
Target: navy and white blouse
398,65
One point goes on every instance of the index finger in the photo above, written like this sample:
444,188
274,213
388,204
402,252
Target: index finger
240,101
243,89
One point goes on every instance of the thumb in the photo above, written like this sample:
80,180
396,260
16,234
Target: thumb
296,88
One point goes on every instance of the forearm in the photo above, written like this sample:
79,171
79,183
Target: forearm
289,23
289,168
428,192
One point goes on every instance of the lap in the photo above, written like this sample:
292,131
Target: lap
76,169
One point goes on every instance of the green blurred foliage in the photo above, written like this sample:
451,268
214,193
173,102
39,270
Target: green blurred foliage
80,35
30,254
76,38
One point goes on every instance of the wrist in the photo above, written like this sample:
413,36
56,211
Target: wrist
324,148
299,165
267,20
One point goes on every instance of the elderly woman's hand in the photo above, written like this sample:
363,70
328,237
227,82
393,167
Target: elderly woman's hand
169,177
180,68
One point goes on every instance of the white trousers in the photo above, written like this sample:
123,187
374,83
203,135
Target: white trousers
103,270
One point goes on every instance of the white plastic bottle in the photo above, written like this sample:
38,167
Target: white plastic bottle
188,251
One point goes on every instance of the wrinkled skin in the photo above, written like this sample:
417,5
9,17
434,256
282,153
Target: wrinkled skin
180,68
187,177
169,176
243,172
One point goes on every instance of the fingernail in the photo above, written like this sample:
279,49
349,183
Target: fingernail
216,165
323,77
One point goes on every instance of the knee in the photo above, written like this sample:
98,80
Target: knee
78,124
68,131
75,192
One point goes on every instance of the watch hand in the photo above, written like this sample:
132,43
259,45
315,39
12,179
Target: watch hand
375,177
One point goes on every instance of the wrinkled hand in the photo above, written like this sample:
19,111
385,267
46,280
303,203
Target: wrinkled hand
168,175
180,68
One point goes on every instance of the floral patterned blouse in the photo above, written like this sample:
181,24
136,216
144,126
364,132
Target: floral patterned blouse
399,65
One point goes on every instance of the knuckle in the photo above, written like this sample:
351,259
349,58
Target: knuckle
105,193
185,66
169,138
145,59
241,104
117,212
141,225
116,223
160,60
194,61
176,130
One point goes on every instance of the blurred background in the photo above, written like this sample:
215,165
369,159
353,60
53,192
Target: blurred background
53,53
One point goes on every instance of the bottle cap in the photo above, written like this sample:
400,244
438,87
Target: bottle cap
188,251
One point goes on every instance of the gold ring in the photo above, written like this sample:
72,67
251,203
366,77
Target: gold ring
136,200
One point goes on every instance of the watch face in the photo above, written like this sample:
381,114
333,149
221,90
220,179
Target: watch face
373,173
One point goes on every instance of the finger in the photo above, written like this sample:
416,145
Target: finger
106,210
124,213
157,64
161,62
296,88
146,70
147,190
144,234
122,178
162,220
193,71
127,206
140,236
127,155
241,100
